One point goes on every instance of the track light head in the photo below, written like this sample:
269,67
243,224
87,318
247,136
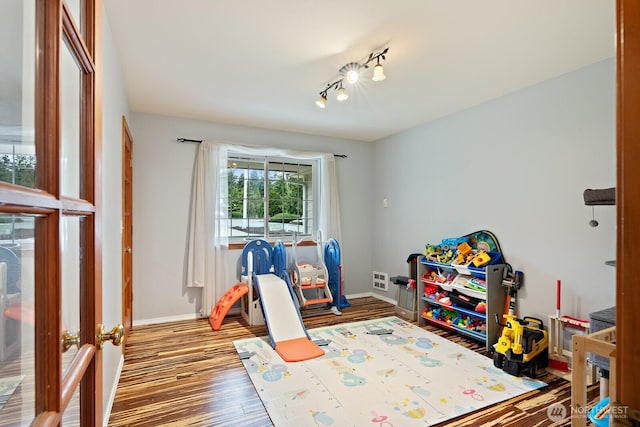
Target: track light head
351,71
352,76
322,101
342,93
378,72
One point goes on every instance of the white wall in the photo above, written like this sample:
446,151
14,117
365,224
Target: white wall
114,107
517,166
162,177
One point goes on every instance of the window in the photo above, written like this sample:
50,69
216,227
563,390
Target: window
17,166
17,163
270,197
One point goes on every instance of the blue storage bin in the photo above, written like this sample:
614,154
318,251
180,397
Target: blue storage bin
438,266
496,258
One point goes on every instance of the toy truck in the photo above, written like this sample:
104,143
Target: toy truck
522,346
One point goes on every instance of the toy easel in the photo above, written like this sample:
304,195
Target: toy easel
557,325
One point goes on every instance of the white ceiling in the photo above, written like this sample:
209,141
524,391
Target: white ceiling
262,63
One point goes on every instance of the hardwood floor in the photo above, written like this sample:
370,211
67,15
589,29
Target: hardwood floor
184,374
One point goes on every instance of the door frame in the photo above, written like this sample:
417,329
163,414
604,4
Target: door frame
127,229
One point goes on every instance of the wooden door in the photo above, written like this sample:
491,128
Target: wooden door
127,228
628,207
50,195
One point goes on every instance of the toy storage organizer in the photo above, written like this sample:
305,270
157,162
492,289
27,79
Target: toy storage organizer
467,301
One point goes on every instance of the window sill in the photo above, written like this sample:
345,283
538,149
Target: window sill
241,245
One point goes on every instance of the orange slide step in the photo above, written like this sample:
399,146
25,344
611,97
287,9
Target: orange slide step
316,286
317,301
224,304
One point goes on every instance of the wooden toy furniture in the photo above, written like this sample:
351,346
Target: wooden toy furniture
601,343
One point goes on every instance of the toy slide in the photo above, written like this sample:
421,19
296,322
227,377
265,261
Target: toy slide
310,280
224,304
256,258
332,261
287,333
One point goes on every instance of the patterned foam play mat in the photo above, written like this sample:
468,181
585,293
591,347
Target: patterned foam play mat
382,372
7,387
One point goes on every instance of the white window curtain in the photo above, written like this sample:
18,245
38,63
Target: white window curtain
208,240
206,266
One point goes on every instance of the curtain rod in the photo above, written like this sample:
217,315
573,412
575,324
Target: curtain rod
198,141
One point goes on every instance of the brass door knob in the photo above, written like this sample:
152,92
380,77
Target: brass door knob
69,340
115,335
127,250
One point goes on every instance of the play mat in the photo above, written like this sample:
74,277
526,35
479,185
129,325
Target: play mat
382,372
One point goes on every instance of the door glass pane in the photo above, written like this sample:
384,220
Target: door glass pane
17,363
76,11
17,80
70,265
70,131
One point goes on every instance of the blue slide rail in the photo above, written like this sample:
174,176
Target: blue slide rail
332,260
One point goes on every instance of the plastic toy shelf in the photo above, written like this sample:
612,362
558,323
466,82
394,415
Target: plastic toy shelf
481,272
494,300
438,265
473,334
456,308
471,313
440,323
452,326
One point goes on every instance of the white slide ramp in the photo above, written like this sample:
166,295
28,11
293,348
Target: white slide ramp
284,323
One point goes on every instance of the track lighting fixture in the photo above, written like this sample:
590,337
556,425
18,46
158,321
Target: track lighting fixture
352,72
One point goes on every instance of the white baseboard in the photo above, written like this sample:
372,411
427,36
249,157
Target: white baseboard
375,295
112,395
235,311
191,316
166,319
